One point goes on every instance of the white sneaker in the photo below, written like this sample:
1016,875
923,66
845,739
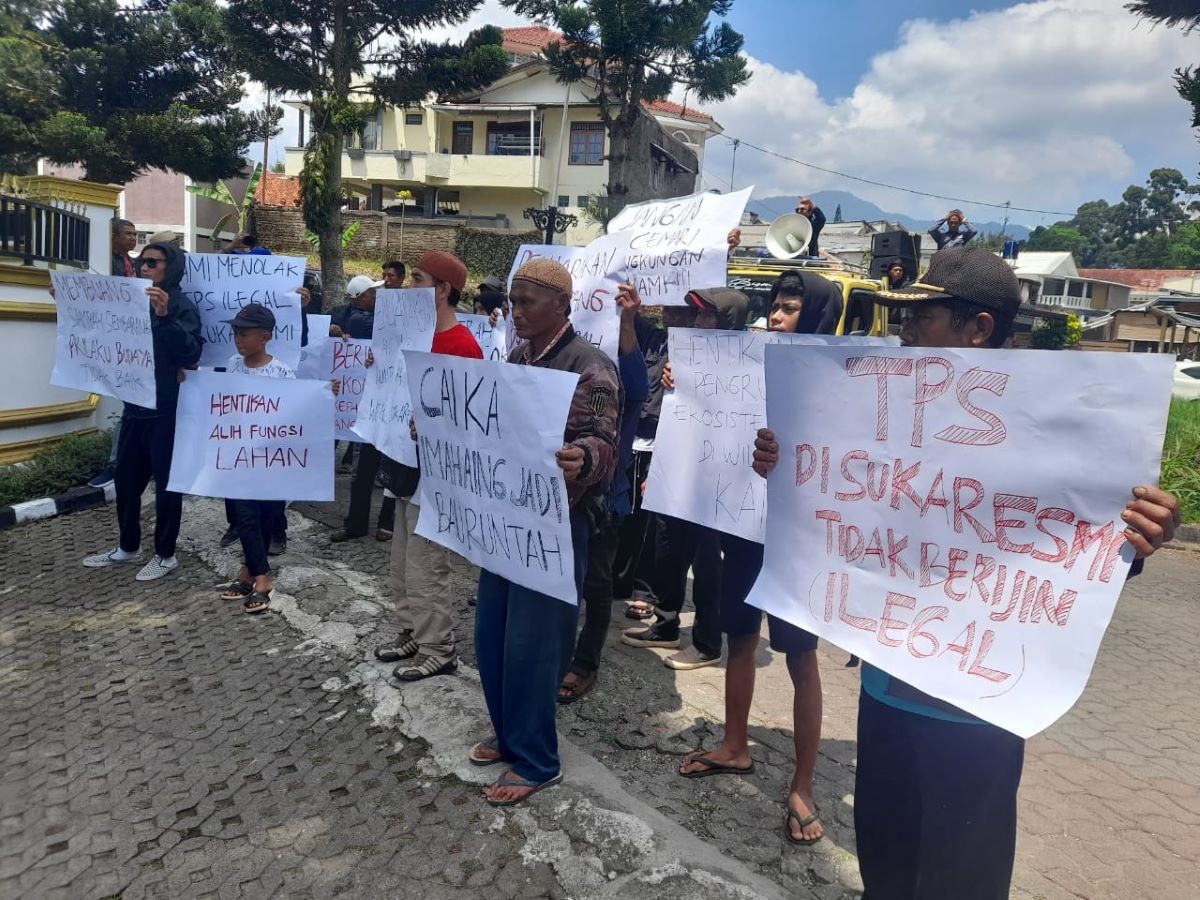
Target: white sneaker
690,658
157,568
104,560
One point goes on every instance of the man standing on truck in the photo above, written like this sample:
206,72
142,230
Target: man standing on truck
816,218
952,231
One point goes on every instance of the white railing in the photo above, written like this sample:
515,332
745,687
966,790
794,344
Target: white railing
1065,301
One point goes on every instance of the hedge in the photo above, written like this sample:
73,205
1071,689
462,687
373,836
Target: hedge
491,252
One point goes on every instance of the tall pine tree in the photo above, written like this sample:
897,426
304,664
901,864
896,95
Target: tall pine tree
345,57
639,51
120,88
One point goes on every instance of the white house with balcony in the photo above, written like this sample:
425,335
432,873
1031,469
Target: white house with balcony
524,141
1052,280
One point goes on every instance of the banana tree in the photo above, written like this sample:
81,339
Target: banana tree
222,194
347,236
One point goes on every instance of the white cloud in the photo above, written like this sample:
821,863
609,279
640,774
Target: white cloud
1046,104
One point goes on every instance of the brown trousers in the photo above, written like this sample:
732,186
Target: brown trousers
421,585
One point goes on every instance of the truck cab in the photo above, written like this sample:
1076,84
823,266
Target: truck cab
755,277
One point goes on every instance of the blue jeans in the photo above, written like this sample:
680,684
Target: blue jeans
523,644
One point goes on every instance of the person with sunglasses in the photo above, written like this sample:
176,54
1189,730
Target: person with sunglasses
147,436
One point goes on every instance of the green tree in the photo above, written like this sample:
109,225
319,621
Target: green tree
121,88
639,51
347,57
1058,237
1185,247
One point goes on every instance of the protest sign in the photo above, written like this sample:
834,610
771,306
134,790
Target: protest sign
594,312
249,437
220,284
493,340
953,516
491,490
104,343
665,248
312,357
701,468
677,245
404,320
348,366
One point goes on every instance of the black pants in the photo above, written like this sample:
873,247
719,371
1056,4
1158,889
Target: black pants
143,451
256,521
935,806
278,527
597,599
362,488
680,545
633,565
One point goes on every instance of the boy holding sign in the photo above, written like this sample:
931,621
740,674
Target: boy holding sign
935,798
253,327
146,439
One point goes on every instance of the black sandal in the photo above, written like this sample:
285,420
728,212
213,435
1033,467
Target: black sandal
237,590
257,602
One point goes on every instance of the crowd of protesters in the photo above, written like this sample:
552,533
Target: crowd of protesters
935,793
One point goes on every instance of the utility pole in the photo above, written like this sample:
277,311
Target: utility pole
733,166
267,136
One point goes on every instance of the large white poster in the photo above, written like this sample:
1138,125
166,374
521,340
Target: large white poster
220,284
594,312
701,469
250,437
491,490
665,248
404,320
678,245
492,339
953,517
104,343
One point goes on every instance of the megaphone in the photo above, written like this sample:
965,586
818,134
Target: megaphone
788,236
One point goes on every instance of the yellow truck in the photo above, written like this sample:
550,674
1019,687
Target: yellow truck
756,276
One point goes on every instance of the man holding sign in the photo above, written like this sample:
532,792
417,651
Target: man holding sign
936,787
147,436
523,638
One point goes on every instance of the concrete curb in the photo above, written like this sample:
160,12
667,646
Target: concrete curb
47,507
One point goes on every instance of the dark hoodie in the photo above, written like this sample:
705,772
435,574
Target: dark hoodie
732,306
822,308
176,337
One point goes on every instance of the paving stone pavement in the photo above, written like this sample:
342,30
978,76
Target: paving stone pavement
156,743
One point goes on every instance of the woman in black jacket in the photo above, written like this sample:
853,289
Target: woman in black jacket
147,436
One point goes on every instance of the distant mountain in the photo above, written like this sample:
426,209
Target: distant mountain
855,208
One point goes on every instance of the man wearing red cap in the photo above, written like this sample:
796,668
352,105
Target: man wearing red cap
421,568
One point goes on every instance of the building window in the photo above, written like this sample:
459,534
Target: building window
413,119
583,201
563,201
512,138
587,143
464,138
371,136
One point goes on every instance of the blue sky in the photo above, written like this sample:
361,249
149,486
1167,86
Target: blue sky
1044,103
834,42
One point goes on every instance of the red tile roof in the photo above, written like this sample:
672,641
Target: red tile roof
533,40
667,108
1146,279
529,41
278,190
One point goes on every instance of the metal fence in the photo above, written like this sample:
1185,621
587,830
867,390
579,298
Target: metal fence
37,232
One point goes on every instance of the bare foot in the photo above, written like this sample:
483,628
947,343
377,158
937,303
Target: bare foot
803,806
693,764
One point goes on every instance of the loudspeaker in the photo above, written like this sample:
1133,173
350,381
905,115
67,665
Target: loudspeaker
889,245
788,236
